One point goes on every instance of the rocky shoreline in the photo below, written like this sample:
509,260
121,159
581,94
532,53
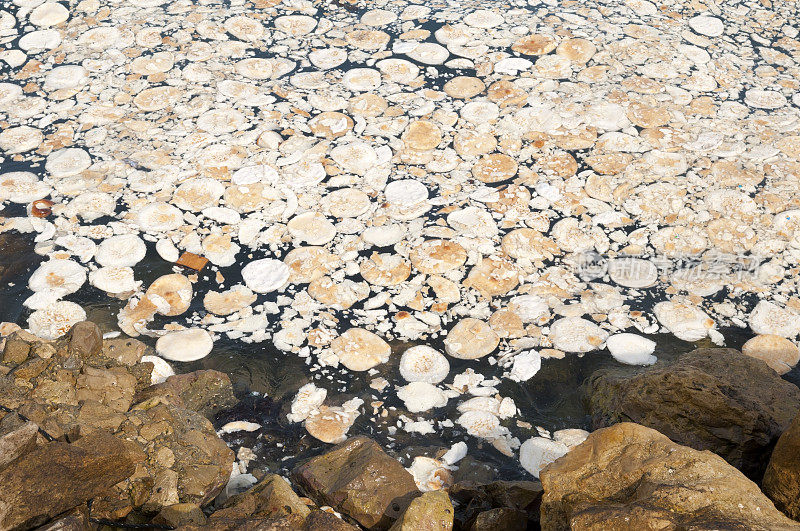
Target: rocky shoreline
87,441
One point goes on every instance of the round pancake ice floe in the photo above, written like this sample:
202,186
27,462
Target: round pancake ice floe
185,345
55,320
360,350
125,250
422,363
471,339
265,275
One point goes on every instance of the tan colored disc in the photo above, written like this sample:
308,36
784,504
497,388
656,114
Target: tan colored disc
368,105
228,302
330,125
309,263
469,143
360,350
422,135
438,256
494,168
471,339
534,44
577,50
492,277
464,87
384,269
342,295
507,324
529,244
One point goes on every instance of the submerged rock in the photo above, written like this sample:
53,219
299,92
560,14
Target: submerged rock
359,479
708,399
782,478
632,477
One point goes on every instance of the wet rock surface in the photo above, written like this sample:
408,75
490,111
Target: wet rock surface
59,476
271,497
75,389
432,511
708,399
359,479
782,478
628,476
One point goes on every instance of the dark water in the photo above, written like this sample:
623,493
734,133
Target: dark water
266,379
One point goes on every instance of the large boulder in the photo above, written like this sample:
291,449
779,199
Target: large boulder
632,477
433,511
709,399
271,497
782,478
186,461
58,476
16,442
361,480
205,391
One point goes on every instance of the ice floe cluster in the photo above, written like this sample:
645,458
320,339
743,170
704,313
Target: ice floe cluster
500,185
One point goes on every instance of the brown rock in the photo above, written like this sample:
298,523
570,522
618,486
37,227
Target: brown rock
16,350
708,399
319,520
271,497
17,443
432,511
84,340
112,387
186,461
58,476
292,523
74,520
500,519
125,351
632,477
180,514
206,391
474,498
782,478
359,479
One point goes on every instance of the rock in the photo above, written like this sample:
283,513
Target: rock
114,387
58,476
632,477
359,479
432,511
84,339
500,519
473,498
782,478
186,461
319,520
180,514
17,442
16,350
125,351
270,498
74,520
206,391
248,524
708,399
